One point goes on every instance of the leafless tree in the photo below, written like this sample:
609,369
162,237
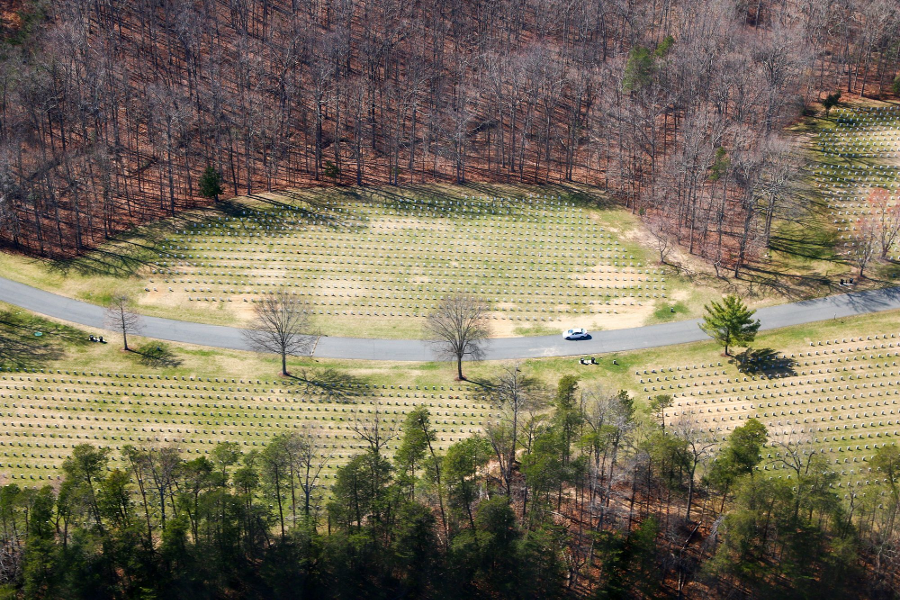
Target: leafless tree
96,136
306,459
373,426
513,393
664,235
121,317
282,325
459,328
863,242
887,219
699,445
609,421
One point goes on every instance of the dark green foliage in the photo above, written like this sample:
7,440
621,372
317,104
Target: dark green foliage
631,566
830,101
766,520
720,164
641,65
664,46
30,17
887,463
730,322
591,514
740,455
658,405
331,171
211,184
638,69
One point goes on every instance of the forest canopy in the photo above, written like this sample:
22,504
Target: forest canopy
112,112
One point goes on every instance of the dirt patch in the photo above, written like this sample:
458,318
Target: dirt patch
614,316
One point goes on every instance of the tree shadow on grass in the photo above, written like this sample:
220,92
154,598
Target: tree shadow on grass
20,348
143,246
122,257
329,384
155,354
765,362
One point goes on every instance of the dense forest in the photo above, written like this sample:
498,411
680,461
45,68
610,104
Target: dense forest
569,492
111,110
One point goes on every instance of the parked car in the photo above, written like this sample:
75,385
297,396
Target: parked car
576,334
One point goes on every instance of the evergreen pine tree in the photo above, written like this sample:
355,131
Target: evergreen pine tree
730,322
211,183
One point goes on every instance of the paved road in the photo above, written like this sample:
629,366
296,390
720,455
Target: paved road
614,340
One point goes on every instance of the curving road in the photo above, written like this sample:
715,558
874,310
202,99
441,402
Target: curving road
616,340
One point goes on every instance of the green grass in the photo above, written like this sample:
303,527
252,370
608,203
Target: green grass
21,347
666,311
536,330
805,255
376,260
74,399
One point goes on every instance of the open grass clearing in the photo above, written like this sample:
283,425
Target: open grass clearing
375,261
96,393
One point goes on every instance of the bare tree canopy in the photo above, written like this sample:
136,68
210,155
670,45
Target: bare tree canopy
667,105
120,317
514,393
282,326
459,328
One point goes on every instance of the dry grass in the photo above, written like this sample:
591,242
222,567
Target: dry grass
75,401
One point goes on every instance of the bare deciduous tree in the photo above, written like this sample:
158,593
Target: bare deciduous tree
887,215
306,459
371,426
121,317
664,234
282,326
513,392
863,242
698,444
459,328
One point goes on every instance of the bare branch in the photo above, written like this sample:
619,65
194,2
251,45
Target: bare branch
121,317
459,328
282,326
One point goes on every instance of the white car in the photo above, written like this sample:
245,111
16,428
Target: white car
576,334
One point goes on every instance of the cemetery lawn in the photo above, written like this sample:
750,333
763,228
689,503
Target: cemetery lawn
807,254
83,392
375,261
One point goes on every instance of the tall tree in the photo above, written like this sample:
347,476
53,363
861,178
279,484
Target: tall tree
459,329
121,316
730,322
513,392
211,184
282,325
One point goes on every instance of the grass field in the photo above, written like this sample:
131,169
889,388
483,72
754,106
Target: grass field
374,262
840,393
846,158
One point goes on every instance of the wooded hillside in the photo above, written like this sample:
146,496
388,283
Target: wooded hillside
110,111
